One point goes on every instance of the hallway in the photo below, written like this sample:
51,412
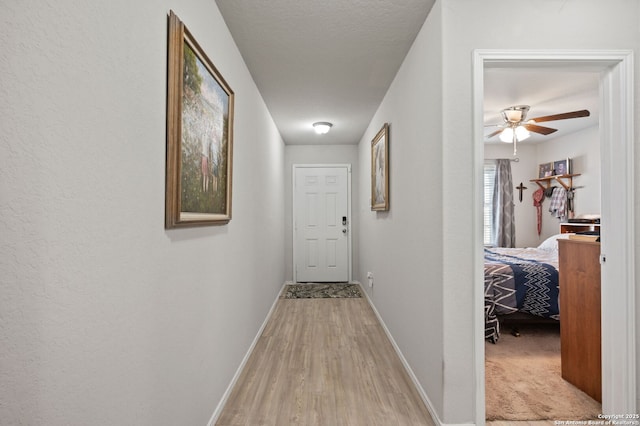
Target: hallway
324,362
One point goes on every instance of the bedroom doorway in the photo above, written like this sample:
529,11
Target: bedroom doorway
616,138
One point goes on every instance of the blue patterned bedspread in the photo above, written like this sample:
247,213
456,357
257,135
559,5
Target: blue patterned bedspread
515,283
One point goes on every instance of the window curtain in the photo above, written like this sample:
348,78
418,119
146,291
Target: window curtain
504,228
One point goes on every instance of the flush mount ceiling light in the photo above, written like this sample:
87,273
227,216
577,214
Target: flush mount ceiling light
322,127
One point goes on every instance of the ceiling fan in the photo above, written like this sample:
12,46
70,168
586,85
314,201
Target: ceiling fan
516,126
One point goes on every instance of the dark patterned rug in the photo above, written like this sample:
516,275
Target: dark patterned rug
320,291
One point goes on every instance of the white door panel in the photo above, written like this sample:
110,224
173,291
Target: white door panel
321,240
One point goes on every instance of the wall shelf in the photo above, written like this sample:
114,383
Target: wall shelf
565,180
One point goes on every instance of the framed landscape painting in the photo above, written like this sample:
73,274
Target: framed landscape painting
380,170
199,135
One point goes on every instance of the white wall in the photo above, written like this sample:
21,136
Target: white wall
321,154
583,148
572,24
106,317
403,247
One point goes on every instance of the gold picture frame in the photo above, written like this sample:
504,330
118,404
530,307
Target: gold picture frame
199,135
380,170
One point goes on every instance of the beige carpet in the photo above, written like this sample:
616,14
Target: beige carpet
523,379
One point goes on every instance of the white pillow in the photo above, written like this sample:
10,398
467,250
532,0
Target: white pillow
551,243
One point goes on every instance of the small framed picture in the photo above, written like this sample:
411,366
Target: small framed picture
380,170
545,170
562,167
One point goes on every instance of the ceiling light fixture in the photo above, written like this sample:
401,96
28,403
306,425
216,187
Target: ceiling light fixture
322,127
515,117
520,131
515,114
514,134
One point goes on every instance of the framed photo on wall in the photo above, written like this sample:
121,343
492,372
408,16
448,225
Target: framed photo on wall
199,135
545,170
380,170
562,167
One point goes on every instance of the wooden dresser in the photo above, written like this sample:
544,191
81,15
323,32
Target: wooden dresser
580,335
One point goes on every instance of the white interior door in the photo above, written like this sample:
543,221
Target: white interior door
321,223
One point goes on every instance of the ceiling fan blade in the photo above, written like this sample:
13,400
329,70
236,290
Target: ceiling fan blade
539,129
497,132
566,115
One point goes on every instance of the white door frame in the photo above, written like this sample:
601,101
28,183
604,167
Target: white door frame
617,189
350,217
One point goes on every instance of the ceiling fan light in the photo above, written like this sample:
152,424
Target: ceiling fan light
322,127
515,114
507,135
522,133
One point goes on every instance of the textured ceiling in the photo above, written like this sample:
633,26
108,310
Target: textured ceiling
330,60
333,60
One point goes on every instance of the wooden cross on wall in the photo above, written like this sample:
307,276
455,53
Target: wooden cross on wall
521,188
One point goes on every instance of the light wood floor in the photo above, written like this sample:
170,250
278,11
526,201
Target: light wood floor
324,362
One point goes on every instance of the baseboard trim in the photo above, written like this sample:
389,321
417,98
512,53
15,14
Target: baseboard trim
405,363
236,376
459,424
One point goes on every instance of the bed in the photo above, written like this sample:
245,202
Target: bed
520,280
